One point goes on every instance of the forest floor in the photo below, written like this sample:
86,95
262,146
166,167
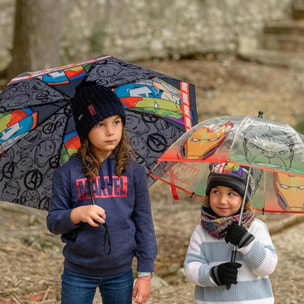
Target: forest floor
31,259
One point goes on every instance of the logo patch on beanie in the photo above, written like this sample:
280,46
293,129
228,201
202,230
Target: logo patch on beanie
92,110
227,168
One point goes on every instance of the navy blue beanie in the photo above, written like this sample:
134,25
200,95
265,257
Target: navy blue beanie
93,103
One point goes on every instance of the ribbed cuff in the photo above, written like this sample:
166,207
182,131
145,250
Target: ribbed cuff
246,240
214,275
144,274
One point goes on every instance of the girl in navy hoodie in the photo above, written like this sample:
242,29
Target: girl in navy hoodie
101,207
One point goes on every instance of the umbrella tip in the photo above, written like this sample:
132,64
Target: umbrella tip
260,114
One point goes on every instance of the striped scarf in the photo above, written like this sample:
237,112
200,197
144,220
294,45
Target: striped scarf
217,226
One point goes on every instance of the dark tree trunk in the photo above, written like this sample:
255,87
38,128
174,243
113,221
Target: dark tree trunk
36,43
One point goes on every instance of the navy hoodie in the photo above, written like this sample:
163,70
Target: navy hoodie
128,215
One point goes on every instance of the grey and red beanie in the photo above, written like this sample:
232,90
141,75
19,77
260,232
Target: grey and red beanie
93,103
229,175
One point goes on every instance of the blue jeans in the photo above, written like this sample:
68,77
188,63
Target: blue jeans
80,289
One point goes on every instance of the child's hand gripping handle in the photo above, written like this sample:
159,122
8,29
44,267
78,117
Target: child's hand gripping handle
239,237
225,274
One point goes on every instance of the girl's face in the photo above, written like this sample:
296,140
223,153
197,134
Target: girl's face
225,201
106,135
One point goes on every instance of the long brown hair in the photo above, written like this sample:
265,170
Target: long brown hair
123,154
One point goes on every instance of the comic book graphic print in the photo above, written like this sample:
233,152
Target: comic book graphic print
273,150
37,130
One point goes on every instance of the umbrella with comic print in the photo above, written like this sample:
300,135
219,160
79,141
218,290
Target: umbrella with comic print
273,151
37,131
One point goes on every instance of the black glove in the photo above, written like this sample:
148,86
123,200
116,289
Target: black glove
238,235
226,273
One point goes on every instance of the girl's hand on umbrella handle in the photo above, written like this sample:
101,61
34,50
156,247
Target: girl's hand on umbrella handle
238,235
91,214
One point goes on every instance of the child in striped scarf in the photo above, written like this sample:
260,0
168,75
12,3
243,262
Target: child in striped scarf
207,263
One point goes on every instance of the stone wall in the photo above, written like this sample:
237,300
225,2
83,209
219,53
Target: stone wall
142,29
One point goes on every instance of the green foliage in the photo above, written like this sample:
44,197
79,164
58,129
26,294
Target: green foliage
184,77
96,39
300,126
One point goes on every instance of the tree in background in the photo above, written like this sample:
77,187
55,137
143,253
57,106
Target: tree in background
36,44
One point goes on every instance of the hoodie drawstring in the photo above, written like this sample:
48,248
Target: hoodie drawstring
106,234
102,179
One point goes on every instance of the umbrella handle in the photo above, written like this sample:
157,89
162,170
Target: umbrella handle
233,253
233,256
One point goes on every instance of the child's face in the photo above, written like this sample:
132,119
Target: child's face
225,201
106,135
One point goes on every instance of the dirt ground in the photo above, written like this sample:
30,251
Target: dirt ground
30,257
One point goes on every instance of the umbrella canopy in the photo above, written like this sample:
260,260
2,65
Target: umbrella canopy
37,131
274,151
